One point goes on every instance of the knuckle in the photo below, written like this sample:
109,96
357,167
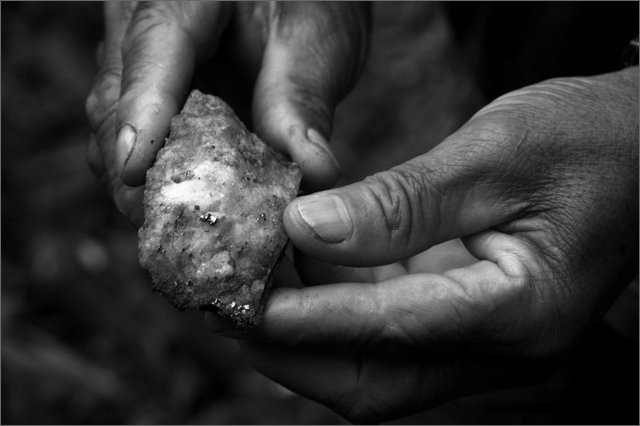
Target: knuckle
103,96
396,194
335,54
119,11
502,150
520,313
312,100
148,18
191,20
387,193
497,126
91,105
94,158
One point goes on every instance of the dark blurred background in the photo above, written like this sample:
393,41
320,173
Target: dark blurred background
83,338
84,341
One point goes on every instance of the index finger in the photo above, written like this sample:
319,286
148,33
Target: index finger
482,303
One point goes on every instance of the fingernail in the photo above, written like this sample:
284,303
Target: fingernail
327,216
124,144
319,141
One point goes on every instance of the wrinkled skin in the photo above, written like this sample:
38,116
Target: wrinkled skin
298,59
541,185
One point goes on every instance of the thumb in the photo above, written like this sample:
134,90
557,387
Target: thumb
163,42
461,187
312,56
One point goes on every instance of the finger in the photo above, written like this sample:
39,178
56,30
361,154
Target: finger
101,108
315,272
102,99
94,158
159,52
284,275
463,186
438,259
492,245
441,258
351,316
128,199
427,312
313,53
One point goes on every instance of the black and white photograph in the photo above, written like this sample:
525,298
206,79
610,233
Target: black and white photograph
301,213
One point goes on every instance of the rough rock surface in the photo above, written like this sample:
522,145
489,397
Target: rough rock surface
213,213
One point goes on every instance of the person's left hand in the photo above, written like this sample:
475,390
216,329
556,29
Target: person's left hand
542,185
282,66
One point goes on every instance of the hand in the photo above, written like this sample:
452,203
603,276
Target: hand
542,185
287,63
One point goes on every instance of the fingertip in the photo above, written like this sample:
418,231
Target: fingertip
286,119
143,132
293,223
134,169
129,201
306,146
335,313
321,225
314,155
124,145
283,307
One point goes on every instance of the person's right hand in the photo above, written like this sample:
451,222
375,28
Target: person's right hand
298,59
542,187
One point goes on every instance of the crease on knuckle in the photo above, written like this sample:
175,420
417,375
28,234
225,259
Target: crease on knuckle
92,109
103,96
403,196
390,199
310,98
152,20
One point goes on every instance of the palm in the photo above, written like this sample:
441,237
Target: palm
402,356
